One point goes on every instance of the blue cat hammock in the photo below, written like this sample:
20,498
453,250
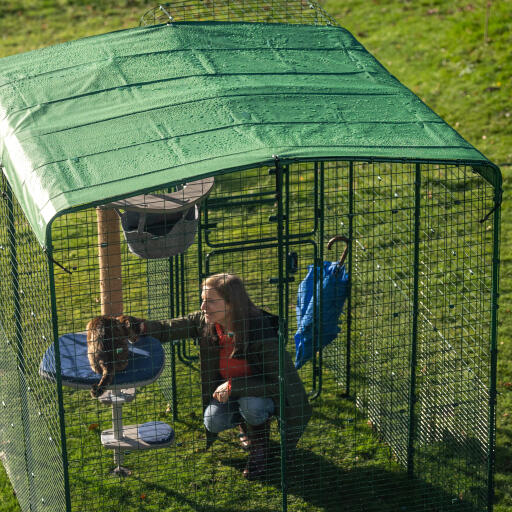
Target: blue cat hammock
145,364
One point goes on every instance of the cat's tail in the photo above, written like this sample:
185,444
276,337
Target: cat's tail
106,378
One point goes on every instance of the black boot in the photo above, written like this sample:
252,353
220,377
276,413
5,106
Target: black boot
243,436
258,450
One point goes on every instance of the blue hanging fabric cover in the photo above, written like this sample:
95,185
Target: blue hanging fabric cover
334,287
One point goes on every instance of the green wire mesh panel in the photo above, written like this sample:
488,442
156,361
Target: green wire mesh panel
30,437
443,440
249,10
455,320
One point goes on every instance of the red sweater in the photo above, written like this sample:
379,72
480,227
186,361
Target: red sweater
228,366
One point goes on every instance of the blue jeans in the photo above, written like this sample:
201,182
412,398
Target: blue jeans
253,409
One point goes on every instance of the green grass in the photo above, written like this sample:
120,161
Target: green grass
437,49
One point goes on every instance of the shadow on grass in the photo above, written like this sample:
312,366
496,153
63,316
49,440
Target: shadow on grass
318,482
187,499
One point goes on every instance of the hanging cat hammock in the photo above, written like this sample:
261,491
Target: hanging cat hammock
162,225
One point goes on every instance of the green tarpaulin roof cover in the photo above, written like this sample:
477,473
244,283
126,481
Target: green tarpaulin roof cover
117,114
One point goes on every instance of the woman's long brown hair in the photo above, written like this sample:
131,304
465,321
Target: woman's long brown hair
240,309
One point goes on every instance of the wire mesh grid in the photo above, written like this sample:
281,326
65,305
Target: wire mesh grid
30,437
271,11
364,447
443,439
454,350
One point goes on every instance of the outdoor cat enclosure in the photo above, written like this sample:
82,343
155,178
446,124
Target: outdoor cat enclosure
306,136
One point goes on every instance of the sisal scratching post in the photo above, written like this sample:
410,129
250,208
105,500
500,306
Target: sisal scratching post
109,245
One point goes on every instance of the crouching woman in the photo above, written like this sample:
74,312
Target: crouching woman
239,356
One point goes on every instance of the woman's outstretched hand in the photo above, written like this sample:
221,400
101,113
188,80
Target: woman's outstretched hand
221,394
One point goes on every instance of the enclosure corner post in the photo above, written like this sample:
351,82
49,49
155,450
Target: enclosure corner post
282,328
317,359
19,343
414,333
494,350
58,371
350,262
318,366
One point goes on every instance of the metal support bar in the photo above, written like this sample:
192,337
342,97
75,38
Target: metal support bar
318,300
20,347
183,356
174,391
348,353
181,259
494,351
287,278
414,333
178,309
58,373
117,425
282,329
172,306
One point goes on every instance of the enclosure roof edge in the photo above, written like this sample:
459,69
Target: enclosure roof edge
111,115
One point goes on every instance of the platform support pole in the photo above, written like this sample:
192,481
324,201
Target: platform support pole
117,424
111,299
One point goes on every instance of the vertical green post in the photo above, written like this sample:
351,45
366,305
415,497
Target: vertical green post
348,354
316,195
318,298
494,350
58,372
176,272
19,345
282,328
414,333
169,391
176,311
200,245
286,219
172,309
174,398
182,279
182,346
314,328
320,279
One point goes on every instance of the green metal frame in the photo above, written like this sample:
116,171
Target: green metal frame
285,242
414,333
60,398
19,342
494,348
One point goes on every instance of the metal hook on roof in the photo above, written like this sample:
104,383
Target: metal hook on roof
163,9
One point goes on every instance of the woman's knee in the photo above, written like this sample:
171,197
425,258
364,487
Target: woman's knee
218,417
255,410
213,419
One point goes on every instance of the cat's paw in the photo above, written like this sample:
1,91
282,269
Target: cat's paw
95,391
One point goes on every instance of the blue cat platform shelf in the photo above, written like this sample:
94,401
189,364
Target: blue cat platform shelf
145,364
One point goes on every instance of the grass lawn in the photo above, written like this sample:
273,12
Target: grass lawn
456,57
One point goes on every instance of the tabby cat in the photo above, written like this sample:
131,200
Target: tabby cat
107,346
